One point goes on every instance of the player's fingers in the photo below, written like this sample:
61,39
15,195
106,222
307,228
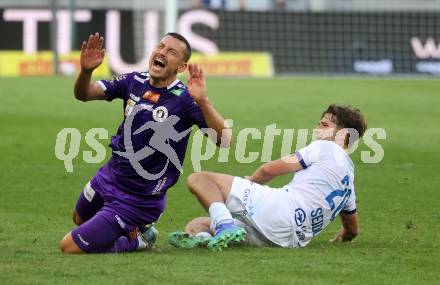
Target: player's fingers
101,42
93,41
102,53
83,46
96,40
196,70
89,41
201,74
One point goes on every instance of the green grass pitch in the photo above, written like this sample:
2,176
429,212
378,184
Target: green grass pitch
398,199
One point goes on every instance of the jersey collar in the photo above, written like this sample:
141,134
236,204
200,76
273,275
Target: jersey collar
163,89
174,83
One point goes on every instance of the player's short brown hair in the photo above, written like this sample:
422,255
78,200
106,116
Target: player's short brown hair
347,117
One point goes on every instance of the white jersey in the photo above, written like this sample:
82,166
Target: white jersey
321,190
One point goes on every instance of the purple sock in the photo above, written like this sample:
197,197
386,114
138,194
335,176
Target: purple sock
123,244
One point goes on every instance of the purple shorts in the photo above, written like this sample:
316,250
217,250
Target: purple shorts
89,203
102,226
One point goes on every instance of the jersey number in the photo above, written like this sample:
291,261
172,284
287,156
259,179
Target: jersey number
344,194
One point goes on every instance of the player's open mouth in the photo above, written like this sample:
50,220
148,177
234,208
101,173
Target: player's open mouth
159,62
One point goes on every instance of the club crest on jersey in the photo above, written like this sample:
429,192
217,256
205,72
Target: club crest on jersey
151,96
300,217
160,114
177,92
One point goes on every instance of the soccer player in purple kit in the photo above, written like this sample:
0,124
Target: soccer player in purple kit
118,206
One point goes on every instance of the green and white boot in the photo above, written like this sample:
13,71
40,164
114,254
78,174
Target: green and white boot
185,240
224,235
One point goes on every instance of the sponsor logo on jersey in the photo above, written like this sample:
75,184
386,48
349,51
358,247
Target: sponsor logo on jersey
160,114
134,97
300,217
151,96
300,234
129,106
247,202
317,220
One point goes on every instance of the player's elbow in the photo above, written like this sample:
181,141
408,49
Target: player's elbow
81,97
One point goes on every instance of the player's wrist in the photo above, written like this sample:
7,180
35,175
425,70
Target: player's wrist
87,71
202,100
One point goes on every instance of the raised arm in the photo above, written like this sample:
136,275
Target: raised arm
349,229
197,90
269,170
92,55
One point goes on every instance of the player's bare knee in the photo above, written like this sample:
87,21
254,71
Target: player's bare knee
193,180
64,245
67,245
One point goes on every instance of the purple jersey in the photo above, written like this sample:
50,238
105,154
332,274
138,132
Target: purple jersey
149,147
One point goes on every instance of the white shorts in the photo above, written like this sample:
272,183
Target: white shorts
263,210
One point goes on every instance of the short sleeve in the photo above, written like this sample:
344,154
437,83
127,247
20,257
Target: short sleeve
116,87
350,207
310,154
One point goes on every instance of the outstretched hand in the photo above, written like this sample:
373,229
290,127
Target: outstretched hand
196,83
92,53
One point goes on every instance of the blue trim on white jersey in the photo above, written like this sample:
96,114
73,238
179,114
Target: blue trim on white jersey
301,160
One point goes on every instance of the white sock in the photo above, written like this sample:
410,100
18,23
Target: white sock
220,214
141,243
203,235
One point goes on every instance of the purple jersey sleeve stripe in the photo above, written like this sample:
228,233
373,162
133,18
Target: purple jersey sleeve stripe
301,160
349,212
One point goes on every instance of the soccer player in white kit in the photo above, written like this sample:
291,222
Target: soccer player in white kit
321,189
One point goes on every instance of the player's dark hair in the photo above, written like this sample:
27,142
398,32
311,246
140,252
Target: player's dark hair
347,117
181,38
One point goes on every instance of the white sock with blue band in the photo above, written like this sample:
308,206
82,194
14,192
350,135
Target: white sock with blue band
220,215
